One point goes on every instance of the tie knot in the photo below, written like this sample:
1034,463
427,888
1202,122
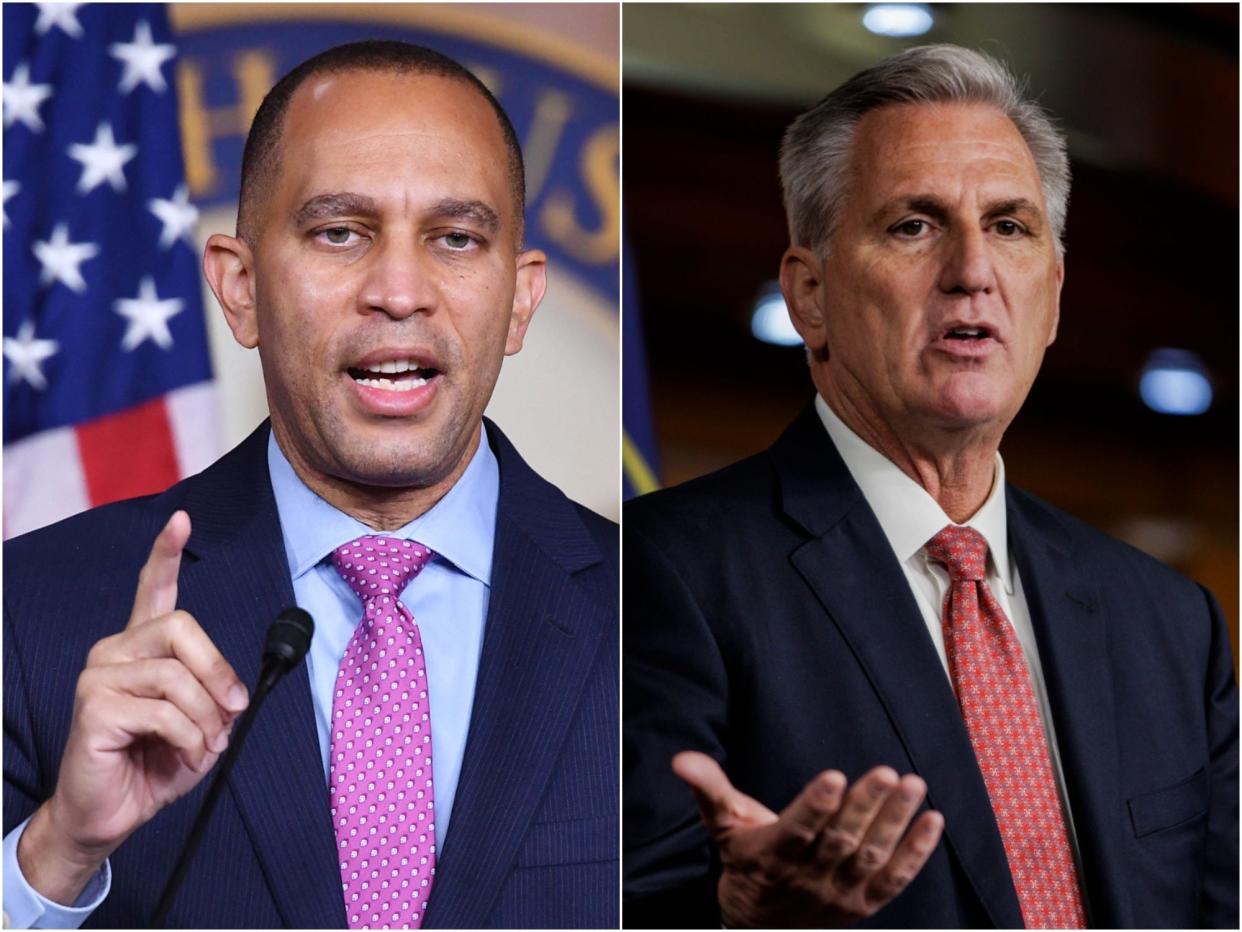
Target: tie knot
962,550
375,566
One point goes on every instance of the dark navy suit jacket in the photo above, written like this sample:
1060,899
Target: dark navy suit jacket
533,837
769,624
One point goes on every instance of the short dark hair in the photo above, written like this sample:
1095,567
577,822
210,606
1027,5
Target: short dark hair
261,159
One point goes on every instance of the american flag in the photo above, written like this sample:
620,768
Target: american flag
107,377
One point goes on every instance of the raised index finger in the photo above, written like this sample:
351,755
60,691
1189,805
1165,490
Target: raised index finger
157,582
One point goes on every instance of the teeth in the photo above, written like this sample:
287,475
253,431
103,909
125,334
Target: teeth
393,367
389,385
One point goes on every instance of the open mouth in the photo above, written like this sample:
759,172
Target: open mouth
394,375
969,334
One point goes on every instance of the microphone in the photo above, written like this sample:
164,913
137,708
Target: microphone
288,639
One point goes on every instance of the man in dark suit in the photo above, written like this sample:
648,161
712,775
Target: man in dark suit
379,270
868,598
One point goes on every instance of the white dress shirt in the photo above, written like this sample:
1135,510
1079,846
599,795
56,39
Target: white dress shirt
909,518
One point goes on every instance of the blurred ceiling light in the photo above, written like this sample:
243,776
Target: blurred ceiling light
770,320
1175,381
898,19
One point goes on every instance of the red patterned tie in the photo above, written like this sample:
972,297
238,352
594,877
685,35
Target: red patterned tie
998,703
383,807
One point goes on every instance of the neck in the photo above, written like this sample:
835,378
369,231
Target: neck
957,468
381,508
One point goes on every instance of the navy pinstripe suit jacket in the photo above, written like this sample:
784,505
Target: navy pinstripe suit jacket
533,838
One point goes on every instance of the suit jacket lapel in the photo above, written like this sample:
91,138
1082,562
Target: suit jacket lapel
235,583
849,565
543,632
1069,621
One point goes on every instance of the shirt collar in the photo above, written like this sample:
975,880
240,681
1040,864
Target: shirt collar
460,527
908,515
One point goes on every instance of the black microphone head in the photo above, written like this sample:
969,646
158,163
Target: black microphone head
288,638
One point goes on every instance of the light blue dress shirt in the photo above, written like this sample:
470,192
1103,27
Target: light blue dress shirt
26,908
448,600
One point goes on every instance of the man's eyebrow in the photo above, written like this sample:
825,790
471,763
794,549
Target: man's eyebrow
335,204
919,203
344,203
1013,205
938,210
475,212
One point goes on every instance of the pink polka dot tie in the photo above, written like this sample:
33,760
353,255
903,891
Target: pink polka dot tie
383,807
998,704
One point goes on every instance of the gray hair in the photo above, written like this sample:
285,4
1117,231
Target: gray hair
815,153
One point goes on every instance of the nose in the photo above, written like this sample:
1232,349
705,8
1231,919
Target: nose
968,264
400,280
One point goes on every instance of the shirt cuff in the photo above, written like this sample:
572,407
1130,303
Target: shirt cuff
26,908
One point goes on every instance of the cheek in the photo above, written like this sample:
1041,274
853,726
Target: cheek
887,305
298,321
1041,296
487,337
481,316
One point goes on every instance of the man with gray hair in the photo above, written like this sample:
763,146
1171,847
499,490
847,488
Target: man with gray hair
863,643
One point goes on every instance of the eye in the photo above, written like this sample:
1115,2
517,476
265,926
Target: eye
911,227
337,236
458,240
1009,228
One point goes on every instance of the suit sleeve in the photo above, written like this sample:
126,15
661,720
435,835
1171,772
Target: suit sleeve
675,699
24,792
22,778
1219,906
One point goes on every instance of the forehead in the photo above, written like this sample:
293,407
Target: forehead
952,145
407,134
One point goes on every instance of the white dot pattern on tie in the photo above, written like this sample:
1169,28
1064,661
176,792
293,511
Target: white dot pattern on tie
380,775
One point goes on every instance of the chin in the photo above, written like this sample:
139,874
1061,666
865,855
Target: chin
399,458
970,405
390,473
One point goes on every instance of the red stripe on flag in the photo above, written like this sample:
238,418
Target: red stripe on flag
127,454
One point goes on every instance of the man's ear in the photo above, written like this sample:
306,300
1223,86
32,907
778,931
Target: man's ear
801,281
532,282
1056,314
228,264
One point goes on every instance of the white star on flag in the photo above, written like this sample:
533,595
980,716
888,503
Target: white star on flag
178,217
64,15
22,99
10,188
142,59
26,354
61,258
148,316
103,160
93,180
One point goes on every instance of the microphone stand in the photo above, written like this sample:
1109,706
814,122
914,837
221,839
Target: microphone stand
278,658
